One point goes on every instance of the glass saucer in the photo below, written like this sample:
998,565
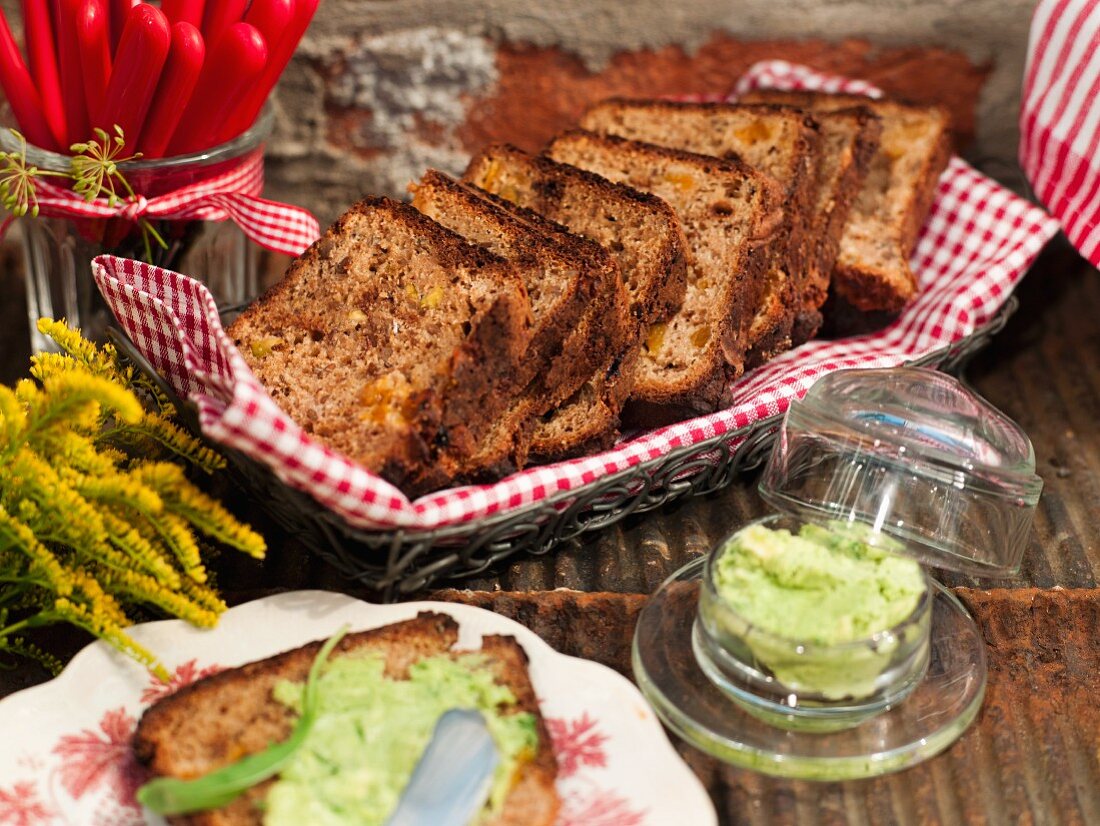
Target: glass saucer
928,720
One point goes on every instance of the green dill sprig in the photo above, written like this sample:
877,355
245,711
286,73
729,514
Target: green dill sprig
17,177
96,174
94,170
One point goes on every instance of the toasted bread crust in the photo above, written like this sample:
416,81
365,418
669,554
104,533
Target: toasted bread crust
556,192
588,422
573,283
850,138
561,276
606,330
220,718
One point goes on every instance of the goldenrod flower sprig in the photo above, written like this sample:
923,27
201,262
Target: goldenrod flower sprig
97,515
93,169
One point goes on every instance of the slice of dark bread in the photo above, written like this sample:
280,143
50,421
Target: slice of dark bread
642,235
872,271
730,214
589,420
850,138
640,231
389,338
561,279
570,284
219,719
780,141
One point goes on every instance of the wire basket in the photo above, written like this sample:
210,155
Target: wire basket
400,562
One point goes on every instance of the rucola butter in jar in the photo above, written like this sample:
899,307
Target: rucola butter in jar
813,643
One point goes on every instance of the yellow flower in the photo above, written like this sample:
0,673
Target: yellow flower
89,527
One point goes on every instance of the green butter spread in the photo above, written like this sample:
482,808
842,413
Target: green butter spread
371,732
799,596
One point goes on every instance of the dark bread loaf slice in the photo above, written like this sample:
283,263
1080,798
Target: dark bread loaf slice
221,718
780,141
560,278
642,235
578,315
640,231
589,420
389,338
730,214
850,138
872,270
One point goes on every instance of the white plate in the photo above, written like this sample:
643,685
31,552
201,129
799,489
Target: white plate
65,756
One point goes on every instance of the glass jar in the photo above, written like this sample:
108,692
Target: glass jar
896,468
58,250
806,680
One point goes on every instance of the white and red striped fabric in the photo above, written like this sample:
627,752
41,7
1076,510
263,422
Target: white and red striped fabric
228,194
1060,117
976,244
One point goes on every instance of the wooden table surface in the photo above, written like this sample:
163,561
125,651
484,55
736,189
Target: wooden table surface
1034,753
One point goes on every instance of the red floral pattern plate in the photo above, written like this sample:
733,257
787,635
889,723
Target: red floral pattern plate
65,755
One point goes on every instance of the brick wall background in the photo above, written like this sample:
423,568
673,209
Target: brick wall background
381,89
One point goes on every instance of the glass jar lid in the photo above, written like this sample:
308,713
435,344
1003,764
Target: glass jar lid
916,455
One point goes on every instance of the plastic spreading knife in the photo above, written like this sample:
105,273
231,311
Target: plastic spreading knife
452,780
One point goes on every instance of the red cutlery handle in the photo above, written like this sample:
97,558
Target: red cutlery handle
184,11
280,53
232,68
77,116
136,72
177,82
271,17
19,89
218,16
93,37
42,57
120,11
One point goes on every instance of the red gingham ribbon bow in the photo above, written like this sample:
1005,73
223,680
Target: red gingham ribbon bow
232,195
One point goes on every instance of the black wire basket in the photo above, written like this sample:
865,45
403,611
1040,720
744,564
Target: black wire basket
399,562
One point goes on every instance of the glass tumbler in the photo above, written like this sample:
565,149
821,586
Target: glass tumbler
58,250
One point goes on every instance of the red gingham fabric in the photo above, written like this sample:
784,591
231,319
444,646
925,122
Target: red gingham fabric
229,195
1060,117
976,244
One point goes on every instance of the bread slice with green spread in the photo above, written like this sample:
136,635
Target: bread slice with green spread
390,339
730,213
380,693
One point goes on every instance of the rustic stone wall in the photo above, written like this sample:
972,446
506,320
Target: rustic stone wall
382,89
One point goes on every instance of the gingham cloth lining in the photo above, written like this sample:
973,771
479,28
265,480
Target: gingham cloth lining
1060,117
230,194
977,243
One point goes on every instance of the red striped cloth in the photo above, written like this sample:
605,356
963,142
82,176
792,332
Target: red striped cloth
978,241
1060,117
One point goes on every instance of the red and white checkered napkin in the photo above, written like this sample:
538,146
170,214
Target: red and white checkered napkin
977,243
1060,117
